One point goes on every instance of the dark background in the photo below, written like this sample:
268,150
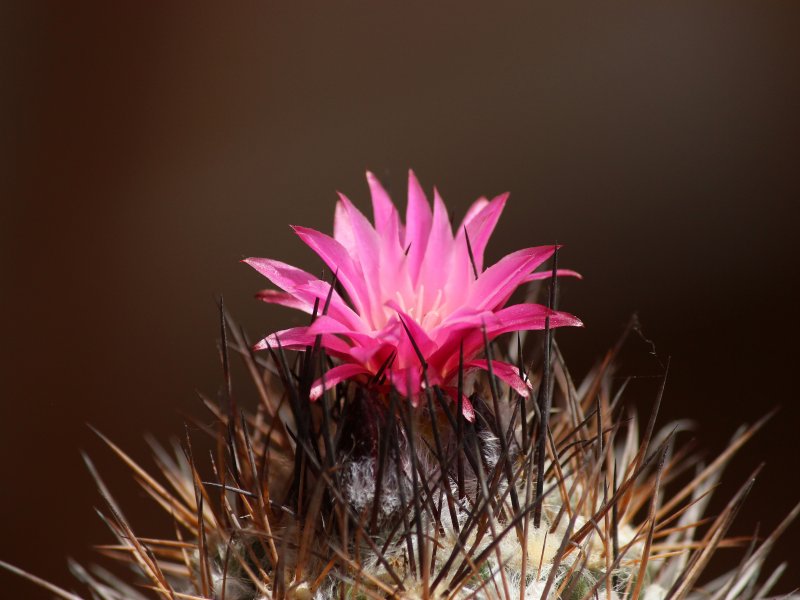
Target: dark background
145,151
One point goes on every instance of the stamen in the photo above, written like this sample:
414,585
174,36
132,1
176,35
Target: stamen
418,309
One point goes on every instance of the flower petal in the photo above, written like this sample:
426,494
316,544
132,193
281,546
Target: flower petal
338,260
393,263
303,286
473,210
366,252
325,324
299,338
283,299
467,261
343,229
493,287
418,226
333,376
408,382
539,275
481,226
507,372
284,276
414,335
387,219
521,317
435,270
467,410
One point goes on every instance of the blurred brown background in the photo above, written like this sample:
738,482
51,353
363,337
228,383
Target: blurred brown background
147,150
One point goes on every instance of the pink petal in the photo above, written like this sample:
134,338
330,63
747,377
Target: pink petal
337,308
447,356
496,283
438,253
326,324
372,355
469,331
476,228
298,338
453,331
330,325
365,238
467,410
457,328
481,227
382,263
418,226
407,381
338,260
405,351
366,253
473,210
284,299
506,372
462,318
284,276
386,218
539,275
521,317
393,270
343,229
303,286
333,376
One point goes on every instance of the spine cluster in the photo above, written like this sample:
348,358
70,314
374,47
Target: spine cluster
365,494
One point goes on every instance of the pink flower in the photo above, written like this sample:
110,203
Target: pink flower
409,281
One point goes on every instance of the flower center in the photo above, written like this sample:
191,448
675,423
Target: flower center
428,314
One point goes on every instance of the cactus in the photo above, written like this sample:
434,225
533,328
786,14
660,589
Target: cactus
459,483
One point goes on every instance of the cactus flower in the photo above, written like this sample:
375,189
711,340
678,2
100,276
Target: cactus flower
414,291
